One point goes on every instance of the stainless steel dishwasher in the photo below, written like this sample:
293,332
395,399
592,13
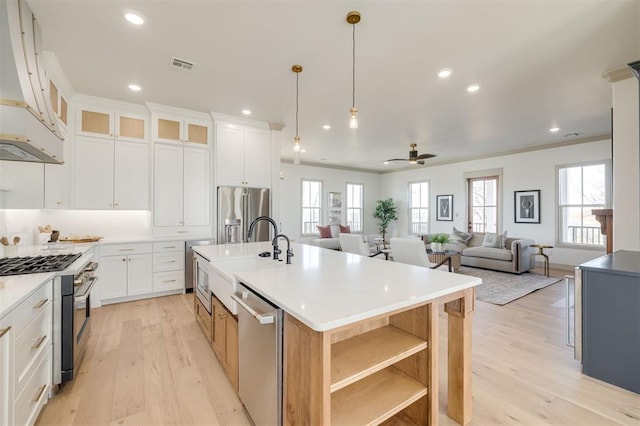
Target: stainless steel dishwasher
260,357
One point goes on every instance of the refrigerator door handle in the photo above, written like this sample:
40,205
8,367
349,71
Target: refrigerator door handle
245,215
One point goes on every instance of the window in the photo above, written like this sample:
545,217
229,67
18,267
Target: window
311,205
419,208
483,204
580,189
355,204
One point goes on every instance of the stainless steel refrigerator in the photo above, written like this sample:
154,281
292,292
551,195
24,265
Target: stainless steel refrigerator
237,208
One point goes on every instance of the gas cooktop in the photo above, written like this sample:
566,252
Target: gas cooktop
35,264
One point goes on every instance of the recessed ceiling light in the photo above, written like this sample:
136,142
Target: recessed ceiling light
385,162
326,127
444,73
134,17
246,112
554,129
473,88
303,150
135,87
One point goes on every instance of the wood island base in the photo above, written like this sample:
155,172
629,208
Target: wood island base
383,369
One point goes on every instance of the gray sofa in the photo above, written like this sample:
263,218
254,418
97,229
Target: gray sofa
514,258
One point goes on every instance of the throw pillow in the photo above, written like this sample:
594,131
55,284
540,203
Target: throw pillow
345,229
460,236
494,240
325,231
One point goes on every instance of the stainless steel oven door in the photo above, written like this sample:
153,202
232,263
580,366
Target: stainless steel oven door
81,319
202,282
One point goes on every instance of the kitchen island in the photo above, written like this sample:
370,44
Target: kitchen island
360,335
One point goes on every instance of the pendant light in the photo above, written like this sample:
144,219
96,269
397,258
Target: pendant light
296,140
353,18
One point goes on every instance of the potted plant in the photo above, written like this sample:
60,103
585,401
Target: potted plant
385,212
438,242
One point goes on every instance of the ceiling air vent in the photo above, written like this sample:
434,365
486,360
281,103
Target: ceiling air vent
182,64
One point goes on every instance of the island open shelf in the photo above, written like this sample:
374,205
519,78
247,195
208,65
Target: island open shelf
365,354
383,369
375,398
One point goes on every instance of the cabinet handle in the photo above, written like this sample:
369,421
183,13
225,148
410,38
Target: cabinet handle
40,392
40,304
127,249
182,232
169,247
169,281
4,331
39,342
124,259
115,204
170,261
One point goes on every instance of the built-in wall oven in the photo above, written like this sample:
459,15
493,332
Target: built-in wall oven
72,314
201,274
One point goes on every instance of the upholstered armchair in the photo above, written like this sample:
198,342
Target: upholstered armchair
353,243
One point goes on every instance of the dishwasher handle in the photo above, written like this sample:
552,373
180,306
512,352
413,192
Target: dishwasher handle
262,319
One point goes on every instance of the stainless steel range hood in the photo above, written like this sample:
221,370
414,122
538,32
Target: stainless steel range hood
28,125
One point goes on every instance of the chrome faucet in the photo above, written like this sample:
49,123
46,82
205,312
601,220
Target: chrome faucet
277,251
258,219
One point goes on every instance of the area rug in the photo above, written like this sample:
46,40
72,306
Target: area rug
501,288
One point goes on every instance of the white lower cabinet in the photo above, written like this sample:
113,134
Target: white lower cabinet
6,368
25,358
140,270
125,270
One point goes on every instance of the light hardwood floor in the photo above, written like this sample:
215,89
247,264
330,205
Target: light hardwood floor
149,364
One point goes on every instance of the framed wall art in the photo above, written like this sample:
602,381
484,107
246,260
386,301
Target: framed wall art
444,204
527,206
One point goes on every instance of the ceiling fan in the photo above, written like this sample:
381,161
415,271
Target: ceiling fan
414,158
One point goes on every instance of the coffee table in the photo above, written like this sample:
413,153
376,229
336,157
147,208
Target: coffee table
451,257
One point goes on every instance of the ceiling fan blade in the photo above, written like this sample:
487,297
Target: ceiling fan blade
421,162
397,159
425,156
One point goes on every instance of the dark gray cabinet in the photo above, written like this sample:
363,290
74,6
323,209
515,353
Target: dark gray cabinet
611,319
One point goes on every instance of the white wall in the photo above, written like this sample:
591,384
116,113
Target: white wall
333,180
525,171
626,166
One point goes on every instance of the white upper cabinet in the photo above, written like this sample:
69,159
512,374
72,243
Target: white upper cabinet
110,123
243,155
179,129
112,161
21,185
111,174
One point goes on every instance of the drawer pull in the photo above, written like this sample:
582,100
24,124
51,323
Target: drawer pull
40,304
182,232
40,340
169,281
4,331
169,261
39,394
127,249
170,247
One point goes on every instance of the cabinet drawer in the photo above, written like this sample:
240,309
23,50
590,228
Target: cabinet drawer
171,261
171,280
203,318
112,250
30,401
29,309
168,246
35,339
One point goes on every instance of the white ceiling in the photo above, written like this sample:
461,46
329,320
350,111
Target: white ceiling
539,65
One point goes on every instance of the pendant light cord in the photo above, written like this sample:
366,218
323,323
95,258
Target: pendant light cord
297,95
353,68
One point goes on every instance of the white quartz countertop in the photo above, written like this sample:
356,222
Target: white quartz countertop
325,289
16,288
50,249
